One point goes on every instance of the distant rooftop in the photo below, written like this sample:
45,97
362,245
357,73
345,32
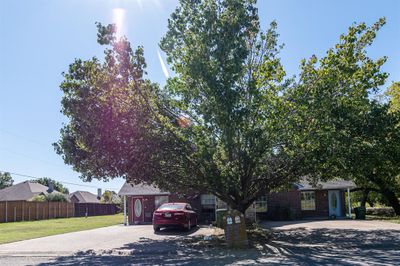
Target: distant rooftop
23,191
140,190
85,197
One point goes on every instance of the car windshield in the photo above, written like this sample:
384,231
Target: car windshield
171,207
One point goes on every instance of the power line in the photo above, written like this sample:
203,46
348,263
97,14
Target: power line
63,182
25,138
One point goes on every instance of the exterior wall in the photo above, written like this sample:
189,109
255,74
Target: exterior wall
321,205
283,204
149,207
280,206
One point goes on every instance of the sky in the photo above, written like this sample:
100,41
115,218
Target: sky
40,38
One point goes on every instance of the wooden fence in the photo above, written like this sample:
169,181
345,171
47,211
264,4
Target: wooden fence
94,209
14,211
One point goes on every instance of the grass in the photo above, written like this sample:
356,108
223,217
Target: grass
392,219
16,231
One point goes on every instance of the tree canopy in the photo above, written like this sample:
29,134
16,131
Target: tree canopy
394,93
5,180
229,122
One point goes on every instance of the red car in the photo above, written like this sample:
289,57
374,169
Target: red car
174,214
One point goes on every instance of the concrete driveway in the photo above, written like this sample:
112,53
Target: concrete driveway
104,240
291,243
335,242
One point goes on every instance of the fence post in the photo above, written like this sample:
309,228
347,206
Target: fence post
15,213
59,213
6,212
48,215
29,213
37,211
23,211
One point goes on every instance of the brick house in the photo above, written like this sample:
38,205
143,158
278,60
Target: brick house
302,201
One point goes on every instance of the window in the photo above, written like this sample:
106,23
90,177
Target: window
159,200
207,199
172,207
261,204
308,201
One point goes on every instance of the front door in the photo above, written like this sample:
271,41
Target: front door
335,204
138,210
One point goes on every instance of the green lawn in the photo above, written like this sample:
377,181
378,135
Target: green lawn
395,219
15,231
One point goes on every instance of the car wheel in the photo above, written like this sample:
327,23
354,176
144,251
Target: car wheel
156,228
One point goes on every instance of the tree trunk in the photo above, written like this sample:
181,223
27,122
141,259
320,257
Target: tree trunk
364,197
393,200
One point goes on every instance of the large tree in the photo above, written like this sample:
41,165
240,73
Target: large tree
374,154
227,122
5,180
216,127
343,131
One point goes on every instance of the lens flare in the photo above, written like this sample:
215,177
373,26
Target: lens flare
118,20
163,65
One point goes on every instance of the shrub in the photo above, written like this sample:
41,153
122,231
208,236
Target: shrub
39,198
56,197
381,211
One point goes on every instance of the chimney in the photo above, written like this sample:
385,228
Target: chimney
51,187
99,193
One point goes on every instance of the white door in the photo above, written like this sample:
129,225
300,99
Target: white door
335,204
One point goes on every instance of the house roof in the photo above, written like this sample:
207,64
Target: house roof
304,184
85,197
23,191
140,190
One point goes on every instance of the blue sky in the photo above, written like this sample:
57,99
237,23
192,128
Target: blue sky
40,38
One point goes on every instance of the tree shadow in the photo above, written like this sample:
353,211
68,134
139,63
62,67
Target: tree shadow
177,231
285,247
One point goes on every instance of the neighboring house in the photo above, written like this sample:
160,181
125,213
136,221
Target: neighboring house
325,200
24,191
83,197
302,201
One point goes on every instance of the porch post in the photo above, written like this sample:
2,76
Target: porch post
349,201
125,210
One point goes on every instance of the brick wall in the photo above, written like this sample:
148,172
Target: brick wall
321,205
281,202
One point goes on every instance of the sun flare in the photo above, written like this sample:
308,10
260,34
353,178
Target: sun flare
118,19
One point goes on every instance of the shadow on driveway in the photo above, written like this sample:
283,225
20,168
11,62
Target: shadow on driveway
286,247
176,231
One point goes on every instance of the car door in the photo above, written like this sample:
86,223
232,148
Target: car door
192,213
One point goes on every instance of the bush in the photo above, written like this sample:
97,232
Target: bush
56,197
39,198
381,211
52,197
